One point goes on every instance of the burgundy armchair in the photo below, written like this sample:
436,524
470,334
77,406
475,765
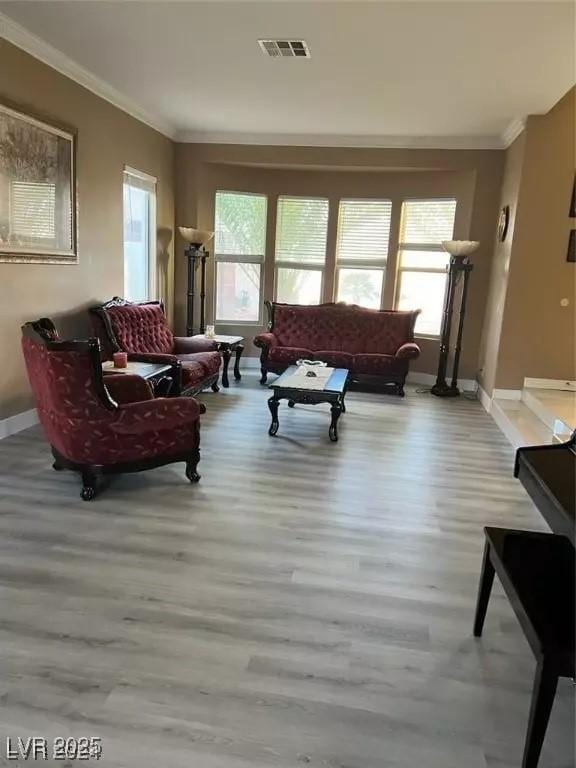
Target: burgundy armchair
375,345
141,330
100,425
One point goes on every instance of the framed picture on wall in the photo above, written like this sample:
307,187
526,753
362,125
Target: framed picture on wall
571,255
37,190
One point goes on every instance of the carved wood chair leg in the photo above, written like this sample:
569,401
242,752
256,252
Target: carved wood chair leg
192,467
89,481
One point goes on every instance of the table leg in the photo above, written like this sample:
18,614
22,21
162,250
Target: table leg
336,409
239,350
543,693
225,360
484,589
273,406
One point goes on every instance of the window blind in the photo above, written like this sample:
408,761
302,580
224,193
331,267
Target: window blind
301,230
33,209
363,230
139,180
427,221
240,225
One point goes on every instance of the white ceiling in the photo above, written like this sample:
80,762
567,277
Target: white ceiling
381,74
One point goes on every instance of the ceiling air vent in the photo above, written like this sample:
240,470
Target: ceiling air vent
286,48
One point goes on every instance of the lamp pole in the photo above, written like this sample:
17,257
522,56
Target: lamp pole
193,256
459,267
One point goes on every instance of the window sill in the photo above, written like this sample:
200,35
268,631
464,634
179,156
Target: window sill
427,336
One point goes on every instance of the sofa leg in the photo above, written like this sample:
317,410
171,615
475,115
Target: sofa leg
88,491
400,389
264,376
215,387
192,467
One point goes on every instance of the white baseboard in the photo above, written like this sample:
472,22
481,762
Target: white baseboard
18,422
568,386
507,394
414,377
418,377
485,399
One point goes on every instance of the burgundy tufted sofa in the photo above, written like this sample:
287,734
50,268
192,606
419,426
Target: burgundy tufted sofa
375,345
141,330
100,425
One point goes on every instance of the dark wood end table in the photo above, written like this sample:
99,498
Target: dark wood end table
333,392
226,345
158,375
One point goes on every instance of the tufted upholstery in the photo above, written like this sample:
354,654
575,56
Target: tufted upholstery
85,431
141,330
365,341
340,327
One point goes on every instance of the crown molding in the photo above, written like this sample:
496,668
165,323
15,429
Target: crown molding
330,140
511,133
19,36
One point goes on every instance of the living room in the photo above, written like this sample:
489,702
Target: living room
277,562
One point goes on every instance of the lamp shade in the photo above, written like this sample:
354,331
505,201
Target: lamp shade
197,237
460,247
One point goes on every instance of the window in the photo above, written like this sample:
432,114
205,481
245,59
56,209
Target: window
139,236
422,262
240,245
362,250
300,254
33,210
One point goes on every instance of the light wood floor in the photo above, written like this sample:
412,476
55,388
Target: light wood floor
307,604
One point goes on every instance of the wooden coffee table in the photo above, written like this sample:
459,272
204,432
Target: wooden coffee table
333,392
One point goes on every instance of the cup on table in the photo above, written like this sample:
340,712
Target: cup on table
210,332
120,359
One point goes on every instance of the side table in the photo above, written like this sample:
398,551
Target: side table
159,375
226,345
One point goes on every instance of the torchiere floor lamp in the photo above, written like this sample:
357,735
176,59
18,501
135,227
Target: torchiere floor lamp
460,265
196,253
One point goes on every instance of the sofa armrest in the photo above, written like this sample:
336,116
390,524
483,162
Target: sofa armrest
152,357
408,351
265,340
127,388
156,416
187,345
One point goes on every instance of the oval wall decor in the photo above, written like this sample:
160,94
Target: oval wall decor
503,223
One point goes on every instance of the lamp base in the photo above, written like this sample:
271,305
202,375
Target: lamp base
445,390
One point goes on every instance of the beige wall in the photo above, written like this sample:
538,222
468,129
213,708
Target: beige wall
538,334
107,140
528,333
496,300
472,177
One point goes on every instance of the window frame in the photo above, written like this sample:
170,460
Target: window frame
421,247
381,264
149,184
283,264
229,258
